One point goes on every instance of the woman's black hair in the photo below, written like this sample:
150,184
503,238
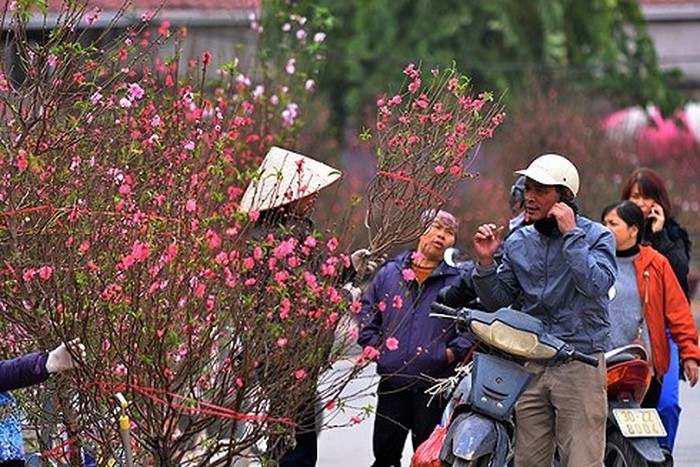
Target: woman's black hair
630,213
650,185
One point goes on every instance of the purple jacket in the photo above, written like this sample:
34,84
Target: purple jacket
422,340
23,371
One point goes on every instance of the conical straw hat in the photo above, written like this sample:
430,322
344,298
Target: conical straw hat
286,176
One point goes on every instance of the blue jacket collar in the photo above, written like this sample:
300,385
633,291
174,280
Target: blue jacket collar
403,261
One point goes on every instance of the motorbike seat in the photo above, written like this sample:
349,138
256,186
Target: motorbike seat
619,358
625,354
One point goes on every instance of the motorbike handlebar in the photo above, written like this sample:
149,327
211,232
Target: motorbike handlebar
587,359
444,309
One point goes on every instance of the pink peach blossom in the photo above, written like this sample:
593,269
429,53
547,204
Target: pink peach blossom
45,272
370,353
191,205
392,343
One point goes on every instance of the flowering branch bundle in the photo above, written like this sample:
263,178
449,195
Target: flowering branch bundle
428,136
118,225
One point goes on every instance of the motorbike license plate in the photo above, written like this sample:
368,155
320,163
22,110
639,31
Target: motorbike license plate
639,423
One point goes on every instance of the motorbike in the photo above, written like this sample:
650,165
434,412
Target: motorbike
631,431
479,413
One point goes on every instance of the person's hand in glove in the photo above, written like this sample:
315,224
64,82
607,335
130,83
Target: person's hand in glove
60,358
361,262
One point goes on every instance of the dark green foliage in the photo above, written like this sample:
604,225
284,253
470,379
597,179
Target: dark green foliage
599,45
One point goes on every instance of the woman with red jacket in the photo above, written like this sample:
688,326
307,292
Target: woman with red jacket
647,299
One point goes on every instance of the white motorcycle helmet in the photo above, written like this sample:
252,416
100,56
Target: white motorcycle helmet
551,170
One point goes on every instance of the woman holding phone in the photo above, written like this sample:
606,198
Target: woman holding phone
646,188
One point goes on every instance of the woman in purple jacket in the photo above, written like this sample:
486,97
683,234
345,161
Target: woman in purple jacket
409,345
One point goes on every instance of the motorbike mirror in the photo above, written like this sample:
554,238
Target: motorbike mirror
449,256
455,257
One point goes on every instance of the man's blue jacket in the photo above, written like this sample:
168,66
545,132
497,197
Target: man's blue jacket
561,279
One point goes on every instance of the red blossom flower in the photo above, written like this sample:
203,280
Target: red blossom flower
22,162
411,71
45,272
370,353
28,274
392,343
332,244
408,274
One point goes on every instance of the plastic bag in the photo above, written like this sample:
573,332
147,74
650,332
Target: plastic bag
428,453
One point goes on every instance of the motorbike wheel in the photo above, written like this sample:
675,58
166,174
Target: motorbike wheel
620,453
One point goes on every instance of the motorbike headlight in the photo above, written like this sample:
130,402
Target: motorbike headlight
513,341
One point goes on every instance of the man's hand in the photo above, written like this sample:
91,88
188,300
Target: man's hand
690,367
487,239
566,219
60,358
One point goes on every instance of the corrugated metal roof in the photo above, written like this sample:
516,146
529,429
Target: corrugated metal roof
669,2
112,5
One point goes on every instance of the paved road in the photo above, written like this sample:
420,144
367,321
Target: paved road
687,450
352,446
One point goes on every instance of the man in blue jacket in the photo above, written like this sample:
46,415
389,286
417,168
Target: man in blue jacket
412,347
560,269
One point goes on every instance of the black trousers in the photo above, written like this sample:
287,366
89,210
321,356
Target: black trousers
305,451
398,412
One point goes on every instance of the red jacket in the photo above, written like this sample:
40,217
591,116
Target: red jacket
665,306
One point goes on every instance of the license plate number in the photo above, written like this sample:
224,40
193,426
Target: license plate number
639,423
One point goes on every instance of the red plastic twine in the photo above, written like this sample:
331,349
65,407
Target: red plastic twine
57,451
414,181
44,207
198,407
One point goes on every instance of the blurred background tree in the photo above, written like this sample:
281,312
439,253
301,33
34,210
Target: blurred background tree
563,65
600,46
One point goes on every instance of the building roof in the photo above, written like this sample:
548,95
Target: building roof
669,2
218,5
177,12
671,10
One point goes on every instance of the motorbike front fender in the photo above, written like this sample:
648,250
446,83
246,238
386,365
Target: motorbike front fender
471,436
